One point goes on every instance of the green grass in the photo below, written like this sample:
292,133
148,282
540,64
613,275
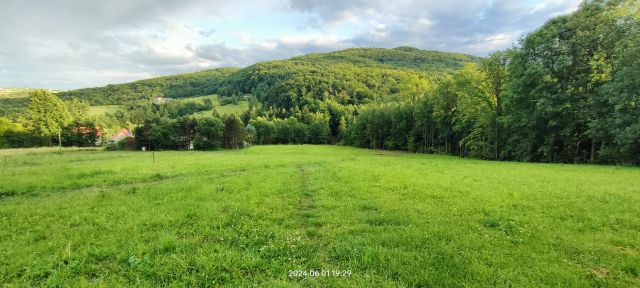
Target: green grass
103,109
200,99
223,110
11,93
245,218
14,101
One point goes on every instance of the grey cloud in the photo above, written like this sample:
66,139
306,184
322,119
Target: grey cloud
207,33
76,43
330,10
474,27
224,55
43,18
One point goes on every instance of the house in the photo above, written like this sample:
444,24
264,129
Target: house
122,135
84,130
122,139
93,134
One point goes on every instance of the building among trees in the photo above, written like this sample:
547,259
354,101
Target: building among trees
122,140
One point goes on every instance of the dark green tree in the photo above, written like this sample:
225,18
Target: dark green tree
234,132
209,132
48,114
494,69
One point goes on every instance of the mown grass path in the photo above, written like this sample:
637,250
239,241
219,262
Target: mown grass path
248,217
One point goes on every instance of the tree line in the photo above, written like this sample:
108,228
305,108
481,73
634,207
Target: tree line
569,93
48,118
209,132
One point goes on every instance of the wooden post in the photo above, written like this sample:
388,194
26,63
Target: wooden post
59,142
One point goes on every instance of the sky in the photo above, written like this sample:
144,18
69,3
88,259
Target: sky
69,44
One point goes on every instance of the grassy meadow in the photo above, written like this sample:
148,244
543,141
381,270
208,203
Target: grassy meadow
222,109
247,217
99,110
12,93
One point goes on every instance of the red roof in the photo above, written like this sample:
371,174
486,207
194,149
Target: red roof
87,130
124,132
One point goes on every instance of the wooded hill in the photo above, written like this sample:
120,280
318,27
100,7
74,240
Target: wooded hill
357,74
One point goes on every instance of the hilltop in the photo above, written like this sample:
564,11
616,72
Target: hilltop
400,57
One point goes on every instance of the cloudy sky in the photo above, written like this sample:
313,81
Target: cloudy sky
66,44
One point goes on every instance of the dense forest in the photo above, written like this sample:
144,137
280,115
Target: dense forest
567,92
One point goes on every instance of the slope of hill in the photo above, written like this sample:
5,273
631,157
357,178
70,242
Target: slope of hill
347,77
174,86
14,101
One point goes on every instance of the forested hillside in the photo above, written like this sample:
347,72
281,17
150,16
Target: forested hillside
14,101
174,86
328,87
367,72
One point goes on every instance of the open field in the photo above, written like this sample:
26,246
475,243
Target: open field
8,93
247,217
223,110
103,109
200,99
226,109
14,101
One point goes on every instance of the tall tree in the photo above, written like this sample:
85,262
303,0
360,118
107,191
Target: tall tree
208,133
48,114
494,69
234,132
474,117
78,109
621,123
342,128
319,130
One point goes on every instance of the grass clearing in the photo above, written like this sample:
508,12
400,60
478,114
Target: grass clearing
12,93
200,99
247,217
103,109
223,110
